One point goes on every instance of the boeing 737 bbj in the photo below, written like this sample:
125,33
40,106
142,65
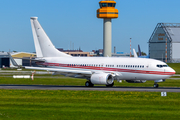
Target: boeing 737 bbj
97,70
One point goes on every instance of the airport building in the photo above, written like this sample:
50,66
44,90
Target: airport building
23,58
164,43
75,52
4,60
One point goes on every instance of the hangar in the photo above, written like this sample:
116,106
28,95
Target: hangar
165,39
6,62
4,59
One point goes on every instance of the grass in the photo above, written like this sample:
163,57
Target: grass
88,105
101,105
66,81
175,66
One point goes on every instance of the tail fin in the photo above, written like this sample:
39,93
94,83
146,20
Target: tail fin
43,45
139,50
135,54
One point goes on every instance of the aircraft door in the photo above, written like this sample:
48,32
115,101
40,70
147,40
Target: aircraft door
102,66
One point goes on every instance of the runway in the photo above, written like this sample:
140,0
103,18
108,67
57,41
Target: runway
97,88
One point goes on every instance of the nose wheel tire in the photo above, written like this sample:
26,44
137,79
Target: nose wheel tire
89,84
156,85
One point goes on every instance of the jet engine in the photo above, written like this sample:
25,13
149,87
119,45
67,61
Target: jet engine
102,79
136,81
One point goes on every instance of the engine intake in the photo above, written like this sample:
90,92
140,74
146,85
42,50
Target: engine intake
102,79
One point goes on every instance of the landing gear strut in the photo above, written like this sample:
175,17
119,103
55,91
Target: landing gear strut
156,85
89,84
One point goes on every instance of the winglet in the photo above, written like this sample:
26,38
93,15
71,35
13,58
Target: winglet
134,52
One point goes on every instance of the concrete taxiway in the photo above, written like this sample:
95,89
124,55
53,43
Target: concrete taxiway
98,88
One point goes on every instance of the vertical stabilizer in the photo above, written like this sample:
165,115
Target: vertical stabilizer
135,54
139,50
43,45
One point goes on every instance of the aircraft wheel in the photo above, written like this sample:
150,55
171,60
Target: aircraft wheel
111,85
156,85
89,84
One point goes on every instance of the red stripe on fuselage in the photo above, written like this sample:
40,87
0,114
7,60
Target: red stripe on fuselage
107,69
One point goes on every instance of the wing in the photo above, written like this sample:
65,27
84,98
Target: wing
74,73
66,72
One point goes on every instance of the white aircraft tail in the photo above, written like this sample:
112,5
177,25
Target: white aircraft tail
43,45
135,54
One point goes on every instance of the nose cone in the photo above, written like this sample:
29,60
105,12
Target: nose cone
172,71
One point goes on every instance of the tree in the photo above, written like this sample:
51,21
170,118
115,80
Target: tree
142,53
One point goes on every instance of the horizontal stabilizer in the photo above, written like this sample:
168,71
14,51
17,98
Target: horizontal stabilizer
38,60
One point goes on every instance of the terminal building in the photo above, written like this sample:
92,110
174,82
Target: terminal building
75,53
164,43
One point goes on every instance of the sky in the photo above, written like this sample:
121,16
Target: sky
68,22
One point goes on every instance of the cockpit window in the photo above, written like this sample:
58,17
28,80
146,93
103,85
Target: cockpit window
165,65
160,66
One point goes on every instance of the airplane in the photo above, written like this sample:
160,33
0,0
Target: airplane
96,70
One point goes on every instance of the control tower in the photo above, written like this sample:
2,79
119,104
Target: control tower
107,11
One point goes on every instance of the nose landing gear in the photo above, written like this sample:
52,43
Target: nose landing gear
156,85
156,81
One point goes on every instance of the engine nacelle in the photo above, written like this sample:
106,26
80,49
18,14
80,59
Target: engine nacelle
102,78
136,81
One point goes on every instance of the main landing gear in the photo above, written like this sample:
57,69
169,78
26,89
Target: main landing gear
89,84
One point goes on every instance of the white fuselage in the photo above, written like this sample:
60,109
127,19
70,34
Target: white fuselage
126,68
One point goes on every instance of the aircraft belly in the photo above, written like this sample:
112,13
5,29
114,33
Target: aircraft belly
138,76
